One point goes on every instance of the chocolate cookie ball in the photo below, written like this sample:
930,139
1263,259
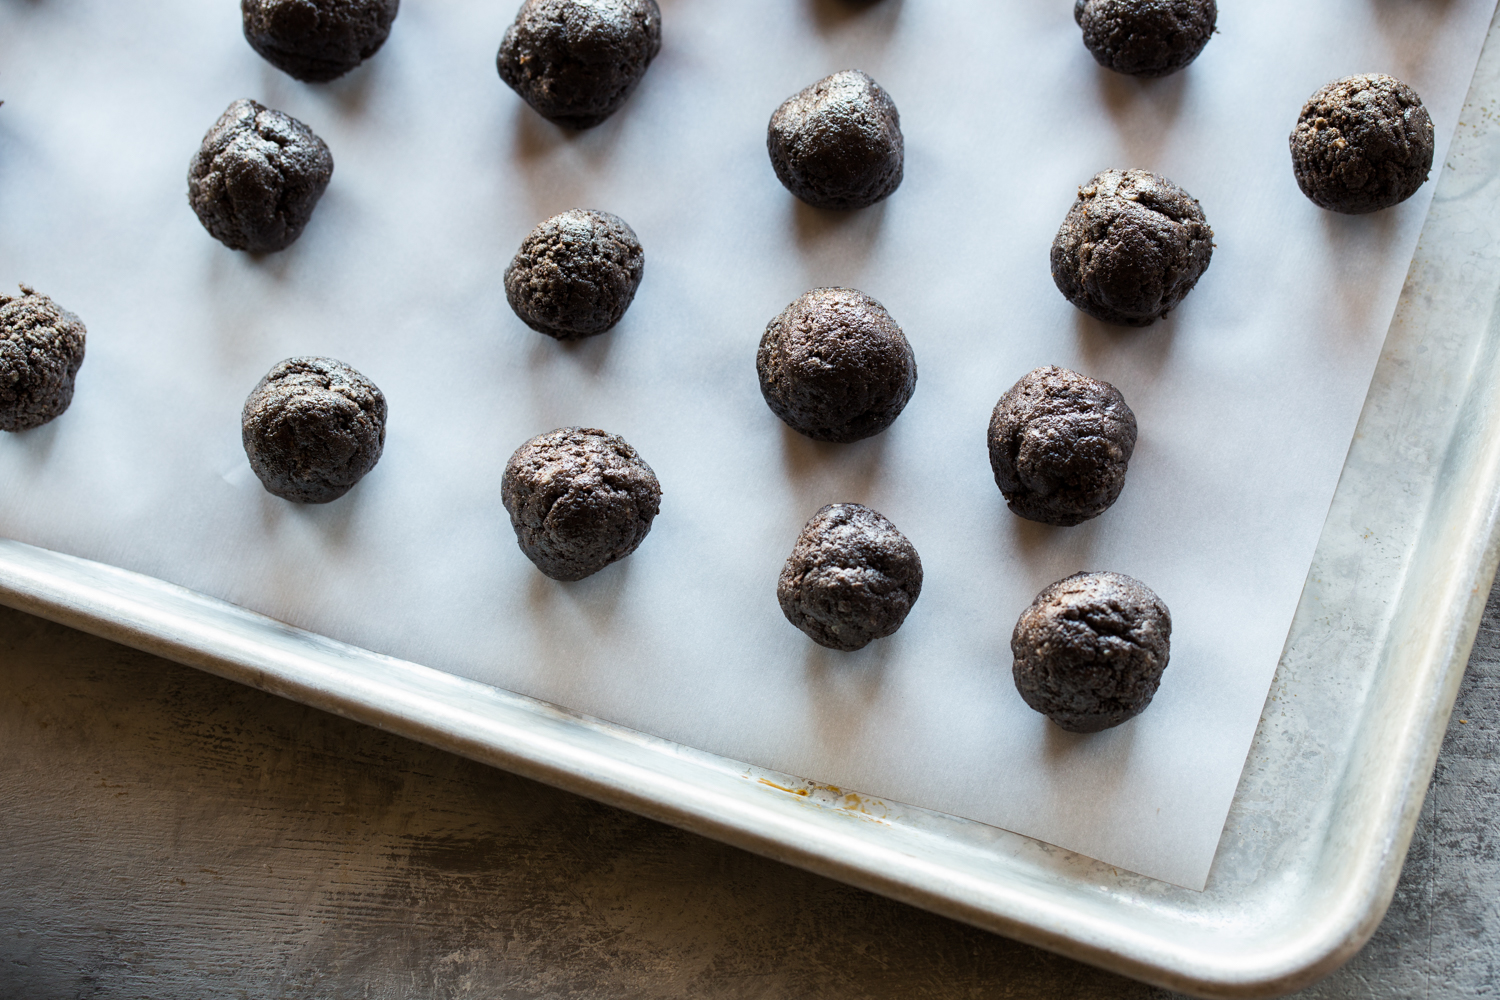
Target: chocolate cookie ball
851,578
312,428
575,274
838,143
1131,248
1145,37
576,61
257,178
1091,649
41,349
1361,144
835,367
317,40
579,499
1059,445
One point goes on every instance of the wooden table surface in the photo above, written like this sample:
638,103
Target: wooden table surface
166,834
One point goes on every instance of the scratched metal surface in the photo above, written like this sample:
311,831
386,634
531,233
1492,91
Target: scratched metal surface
167,834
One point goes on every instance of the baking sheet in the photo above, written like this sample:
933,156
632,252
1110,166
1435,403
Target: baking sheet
1246,397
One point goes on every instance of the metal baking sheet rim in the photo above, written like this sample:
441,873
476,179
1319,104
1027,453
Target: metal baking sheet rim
1306,916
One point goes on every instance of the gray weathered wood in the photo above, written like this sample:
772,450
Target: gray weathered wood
167,834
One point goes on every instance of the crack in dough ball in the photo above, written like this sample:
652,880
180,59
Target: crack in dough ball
312,428
41,350
576,61
838,143
1060,443
835,366
1090,650
852,578
1362,144
575,274
1131,247
257,178
317,40
1146,37
579,499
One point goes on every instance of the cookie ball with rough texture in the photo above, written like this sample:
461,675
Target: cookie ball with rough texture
1131,247
1090,650
41,350
1059,445
312,428
575,274
579,499
576,61
257,178
838,143
317,40
1145,37
1361,144
851,578
835,366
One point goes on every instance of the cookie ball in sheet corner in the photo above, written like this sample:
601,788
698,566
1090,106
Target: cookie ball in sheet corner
1060,444
838,144
577,61
317,40
834,366
575,274
257,178
312,428
41,350
852,578
1090,650
1131,247
1362,144
579,499
1146,37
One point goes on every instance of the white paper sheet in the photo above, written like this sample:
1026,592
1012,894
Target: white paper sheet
1246,397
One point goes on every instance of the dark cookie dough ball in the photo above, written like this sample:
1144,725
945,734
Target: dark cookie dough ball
1131,248
41,349
1059,445
575,274
1091,649
257,177
1361,144
835,366
317,40
312,428
576,61
1145,37
579,499
838,143
851,578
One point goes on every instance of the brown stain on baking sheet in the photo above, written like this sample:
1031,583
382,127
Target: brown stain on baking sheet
791,791
861,806
833,797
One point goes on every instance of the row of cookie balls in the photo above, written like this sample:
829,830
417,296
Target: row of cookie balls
1360,144
1131,247
576,62
580,499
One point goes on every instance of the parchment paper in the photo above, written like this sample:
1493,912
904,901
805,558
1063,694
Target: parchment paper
1246,397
